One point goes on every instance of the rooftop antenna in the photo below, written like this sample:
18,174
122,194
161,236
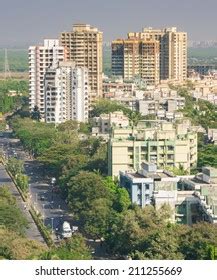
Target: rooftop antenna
7,69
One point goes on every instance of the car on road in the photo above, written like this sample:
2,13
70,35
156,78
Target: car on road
42,198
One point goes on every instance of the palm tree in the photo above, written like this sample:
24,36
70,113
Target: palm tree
134,118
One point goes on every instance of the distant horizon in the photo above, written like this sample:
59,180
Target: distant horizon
26,45
27,22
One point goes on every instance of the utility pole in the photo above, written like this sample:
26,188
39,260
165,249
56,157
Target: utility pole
7,69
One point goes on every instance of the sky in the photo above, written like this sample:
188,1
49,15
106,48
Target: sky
24,22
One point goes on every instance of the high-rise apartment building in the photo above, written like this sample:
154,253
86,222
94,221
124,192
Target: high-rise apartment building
84,47
151,53
40,59
134,57
66,93
162,143
173,51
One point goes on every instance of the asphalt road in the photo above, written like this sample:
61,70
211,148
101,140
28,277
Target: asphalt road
52,207
32,231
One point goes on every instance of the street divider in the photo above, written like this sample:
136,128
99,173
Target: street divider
40,225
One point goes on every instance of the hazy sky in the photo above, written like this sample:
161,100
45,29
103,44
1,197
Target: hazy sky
29,21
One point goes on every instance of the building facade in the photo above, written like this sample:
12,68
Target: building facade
40,59
191,199
136,58
165,144
66,93
103,124
84,47
173,51
154,107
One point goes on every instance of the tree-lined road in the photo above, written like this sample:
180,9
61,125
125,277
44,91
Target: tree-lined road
32,231
51,206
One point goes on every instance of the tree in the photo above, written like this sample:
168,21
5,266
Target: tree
98,161
15,166
73,165
15,247
36,115
121,199
74,248
178,171
96,219
207,156
83,189
162,245
68,126
195,242
134,118
23,182
11,216
134,230
105,106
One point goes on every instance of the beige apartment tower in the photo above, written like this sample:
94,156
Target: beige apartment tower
173,51
84,47
136,58
139,54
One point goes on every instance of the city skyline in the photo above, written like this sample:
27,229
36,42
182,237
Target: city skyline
35,21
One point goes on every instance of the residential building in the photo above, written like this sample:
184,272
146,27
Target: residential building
201,69
102,125
66,93
204,187
165,144
143,184
212,136
169,116
191,198
173,51
134,57
40,59
111,88
155,107
84,47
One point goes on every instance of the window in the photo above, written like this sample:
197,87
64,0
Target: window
170,148
143,157
143,149
147,187
130,149
139,187
153,148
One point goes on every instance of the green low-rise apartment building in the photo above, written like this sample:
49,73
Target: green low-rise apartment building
166,144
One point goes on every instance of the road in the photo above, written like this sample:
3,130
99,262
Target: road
32,231
53,208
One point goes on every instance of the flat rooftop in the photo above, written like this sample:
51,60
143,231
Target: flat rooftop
157,175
